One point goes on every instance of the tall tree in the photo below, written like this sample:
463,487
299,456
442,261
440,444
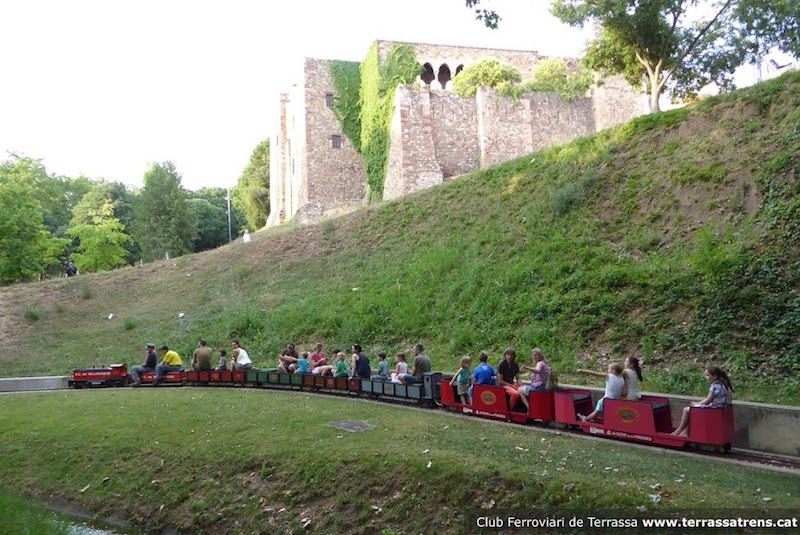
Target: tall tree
121,199
212,218
26,248
677,44
251,193
57,195
101,242
163,225
211,222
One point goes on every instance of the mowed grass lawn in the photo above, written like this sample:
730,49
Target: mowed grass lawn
248,460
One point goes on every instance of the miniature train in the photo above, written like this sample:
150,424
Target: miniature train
647,420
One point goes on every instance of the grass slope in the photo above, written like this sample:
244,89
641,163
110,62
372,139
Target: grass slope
673,237
254,461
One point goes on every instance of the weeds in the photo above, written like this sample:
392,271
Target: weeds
33,313
86,292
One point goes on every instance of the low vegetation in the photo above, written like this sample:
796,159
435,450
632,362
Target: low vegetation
247,460
673,238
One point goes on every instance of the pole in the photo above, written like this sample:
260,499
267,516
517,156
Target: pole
228,199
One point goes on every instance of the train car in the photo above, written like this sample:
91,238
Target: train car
114,375
425,393
648,420
491,401
167,379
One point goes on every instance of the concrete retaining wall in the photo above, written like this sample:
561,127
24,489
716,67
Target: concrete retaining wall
20,384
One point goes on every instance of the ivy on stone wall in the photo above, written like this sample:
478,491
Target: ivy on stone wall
347,86
379,79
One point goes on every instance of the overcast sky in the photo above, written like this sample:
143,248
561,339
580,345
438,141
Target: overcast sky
102,88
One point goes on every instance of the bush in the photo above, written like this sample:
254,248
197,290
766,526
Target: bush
553,76
488,73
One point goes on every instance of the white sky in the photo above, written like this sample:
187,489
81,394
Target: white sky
104,87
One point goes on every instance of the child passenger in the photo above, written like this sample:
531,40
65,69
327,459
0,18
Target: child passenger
615,382
402,367
383,368
223,361
341,365
303,364
720,395
633,376
462,380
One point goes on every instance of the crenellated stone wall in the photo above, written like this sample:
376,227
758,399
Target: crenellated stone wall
438,133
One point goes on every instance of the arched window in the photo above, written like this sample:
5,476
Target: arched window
459,69
427,76
444,74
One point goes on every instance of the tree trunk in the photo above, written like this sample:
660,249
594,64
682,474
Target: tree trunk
654,94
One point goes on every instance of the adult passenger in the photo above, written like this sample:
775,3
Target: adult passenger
422,364
288,359
201,358
539,373
359,363
170,362
149,365
240,360
508,376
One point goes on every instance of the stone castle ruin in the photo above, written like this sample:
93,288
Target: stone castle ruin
435,136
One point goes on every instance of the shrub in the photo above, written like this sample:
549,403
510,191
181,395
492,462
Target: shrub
553,76
489,73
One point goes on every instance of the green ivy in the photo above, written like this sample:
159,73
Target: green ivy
379,79
347,85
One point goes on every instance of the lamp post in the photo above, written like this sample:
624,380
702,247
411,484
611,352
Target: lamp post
228,200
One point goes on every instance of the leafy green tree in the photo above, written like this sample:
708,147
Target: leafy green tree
57,196
26,248
121,199
552,76
101,242
677,44
489,73
211,222
163,224
251,193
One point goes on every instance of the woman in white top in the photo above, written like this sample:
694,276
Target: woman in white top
240,360
615,383
633,376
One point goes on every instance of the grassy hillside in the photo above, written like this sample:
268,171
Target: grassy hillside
673,238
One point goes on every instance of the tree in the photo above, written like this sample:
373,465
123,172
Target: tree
121,200
26,248
57,196
211,222
678,44
163,225
101,242
209,209
552,76
488,73
251,193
